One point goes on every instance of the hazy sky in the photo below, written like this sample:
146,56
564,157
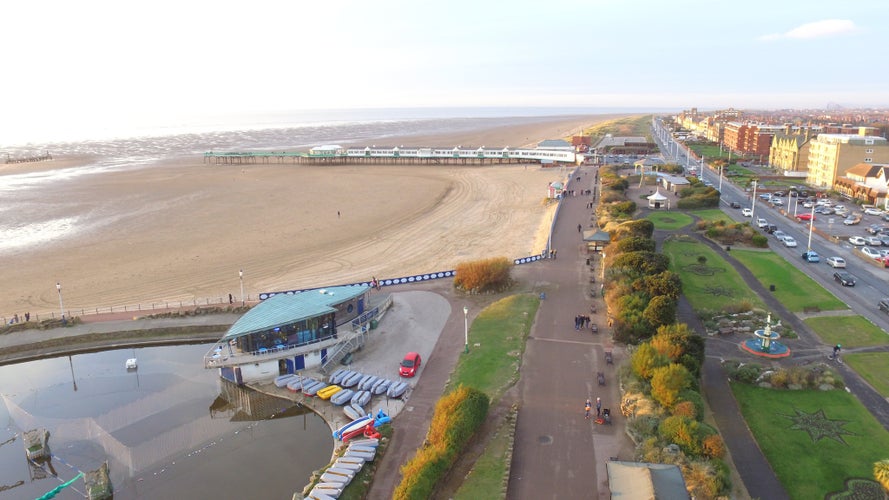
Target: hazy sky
67,64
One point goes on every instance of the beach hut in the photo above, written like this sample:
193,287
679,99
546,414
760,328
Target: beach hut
555,190
657,200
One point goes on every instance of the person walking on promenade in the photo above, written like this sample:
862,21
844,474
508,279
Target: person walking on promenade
587,409
579,228
598,407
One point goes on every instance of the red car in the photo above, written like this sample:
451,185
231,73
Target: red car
802,217
409,365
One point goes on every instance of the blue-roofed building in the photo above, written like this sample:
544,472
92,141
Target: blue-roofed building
292,331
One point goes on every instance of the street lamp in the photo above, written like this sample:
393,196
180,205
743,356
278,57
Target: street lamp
811,225
61,305
753,202
241,277
465,330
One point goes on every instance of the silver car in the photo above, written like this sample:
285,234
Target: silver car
836,262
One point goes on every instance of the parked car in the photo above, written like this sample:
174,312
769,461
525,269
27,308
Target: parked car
778,193
409,365
809,204
811,256
876,228
836,262
873,211
857,240
746,212
789,242
873,240
844,278
884,239
802,217
761,223
851,221
776,201
870,252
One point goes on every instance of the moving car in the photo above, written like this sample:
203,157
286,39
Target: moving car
409,365
857,241
873,211
735,204
844,278
811,256
851,221
836,262
746,212
802,217
760,222
780,235
884,305
789,242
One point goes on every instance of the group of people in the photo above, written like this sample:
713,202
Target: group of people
15,319
375,284
588,407
581,321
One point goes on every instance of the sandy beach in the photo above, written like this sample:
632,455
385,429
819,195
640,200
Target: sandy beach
286,226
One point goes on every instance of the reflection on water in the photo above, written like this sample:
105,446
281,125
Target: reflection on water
168,429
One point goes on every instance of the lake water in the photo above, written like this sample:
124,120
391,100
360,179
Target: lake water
169,429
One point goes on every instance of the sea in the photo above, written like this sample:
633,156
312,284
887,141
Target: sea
26,221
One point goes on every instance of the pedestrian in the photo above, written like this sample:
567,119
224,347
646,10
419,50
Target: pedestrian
337,214
577,322
598,407
602,289
587,407
231,300
579,227
27,316
554,253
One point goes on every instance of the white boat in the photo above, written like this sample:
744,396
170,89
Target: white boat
342,397
362,398
373,443
358,408
332,378
365,449
340,377
314,388
376,384
397,389
363,379
351,412
369,457
281,380
382,388
319,495
344,472
330,477
296,384
326,492
367,384
347,465
357,423
351,460
352,379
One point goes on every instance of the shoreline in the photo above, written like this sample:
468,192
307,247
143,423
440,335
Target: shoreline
196,226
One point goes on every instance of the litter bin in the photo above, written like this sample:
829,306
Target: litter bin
771,288
542,295
374,324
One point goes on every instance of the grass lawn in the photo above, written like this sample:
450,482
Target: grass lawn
873,367
793,288
814,440
486,478
711,286
850,331
714,214
669,221
500,330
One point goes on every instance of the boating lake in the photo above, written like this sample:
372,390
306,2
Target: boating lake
169,429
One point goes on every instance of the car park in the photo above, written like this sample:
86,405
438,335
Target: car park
844,278
760,222
857,241
836,262
789,242
746,212
873,211
811,256
870,252
409,365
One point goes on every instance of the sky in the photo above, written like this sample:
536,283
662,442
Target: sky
96,63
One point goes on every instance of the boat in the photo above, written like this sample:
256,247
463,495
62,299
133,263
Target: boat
362,399
338,470
367,384
363,379
342,397
314,388
352,380
328,492
356,432
296,384
357,423
358,408
319,495
351,460
365,449
381,418
329,391
351,412
334,375
397,389
376,384
373,443
337,378
348,466
369,457
330,477
281,380
382,388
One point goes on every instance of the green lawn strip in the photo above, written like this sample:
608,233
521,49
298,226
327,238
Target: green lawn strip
850,331
711,286
873,367
500,330
714,214
846,443
486,478
794,289
669,221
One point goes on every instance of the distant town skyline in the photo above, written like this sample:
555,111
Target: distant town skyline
102,62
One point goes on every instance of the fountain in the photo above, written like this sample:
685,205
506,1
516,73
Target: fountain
765,344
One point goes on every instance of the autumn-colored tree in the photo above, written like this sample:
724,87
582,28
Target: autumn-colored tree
671,340
666,283
881,472
661,310
645,360
667,382
713,446
685,409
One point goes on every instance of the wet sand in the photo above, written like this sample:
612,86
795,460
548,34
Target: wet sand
196,225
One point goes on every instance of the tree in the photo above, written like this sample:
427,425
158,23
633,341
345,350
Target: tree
671,340
881,472
635,244
661,310
666,283
645,360
667,382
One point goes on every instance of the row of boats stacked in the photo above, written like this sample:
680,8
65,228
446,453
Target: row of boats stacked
347,388
344,469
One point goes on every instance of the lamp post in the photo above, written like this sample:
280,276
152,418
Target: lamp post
61,305
241,277
720,179
753,202
811,225
465,330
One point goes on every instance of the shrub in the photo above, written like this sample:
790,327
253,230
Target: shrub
685,409
713,446
695,398
645,360
661,310
667,382
747,373
759,241
485,275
